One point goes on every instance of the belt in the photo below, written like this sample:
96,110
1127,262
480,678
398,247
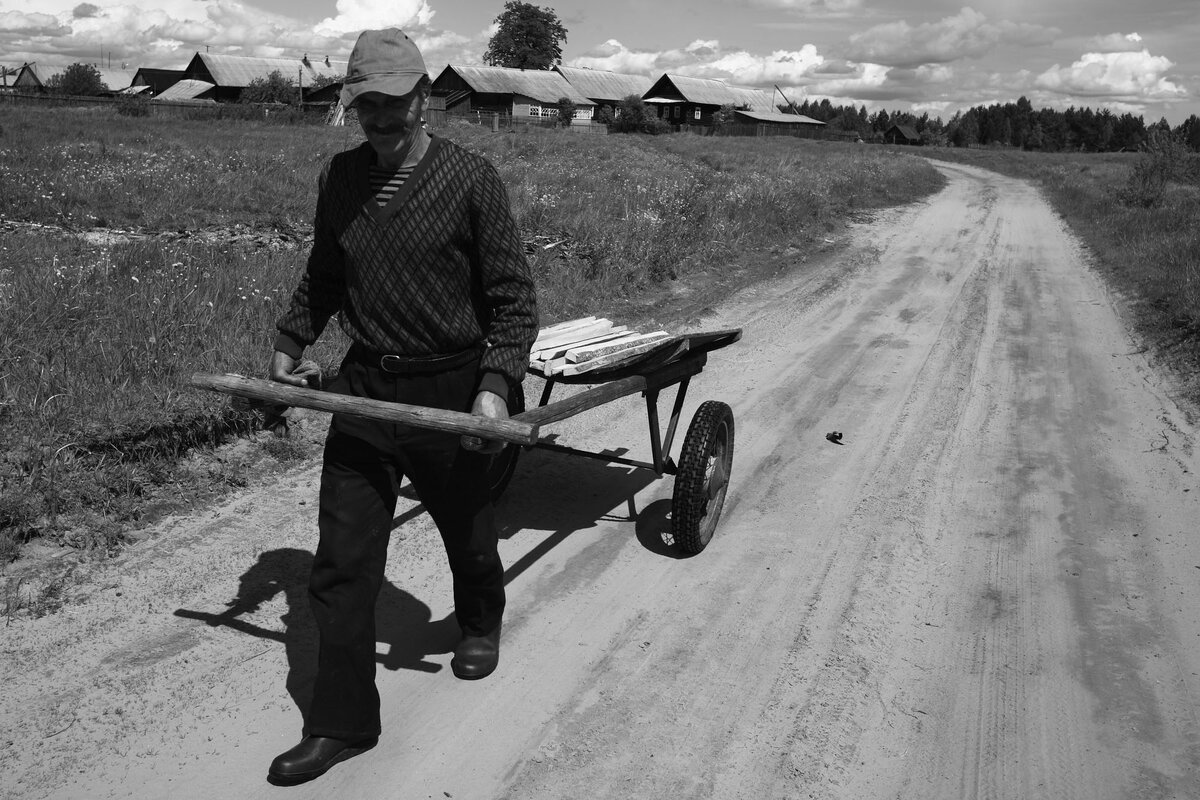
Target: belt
415,365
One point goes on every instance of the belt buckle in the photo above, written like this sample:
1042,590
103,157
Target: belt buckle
390,363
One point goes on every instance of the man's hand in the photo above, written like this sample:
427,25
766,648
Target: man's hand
285,369
490,405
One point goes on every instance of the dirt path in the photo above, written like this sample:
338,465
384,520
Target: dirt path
987,591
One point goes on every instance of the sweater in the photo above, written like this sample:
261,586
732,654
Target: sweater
437,270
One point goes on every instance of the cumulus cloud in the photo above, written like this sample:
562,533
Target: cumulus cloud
706,59
16,22
1129,77
84,10
357,15
1115,43
811,7
968,34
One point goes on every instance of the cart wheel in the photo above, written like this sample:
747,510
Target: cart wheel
703,476
504,463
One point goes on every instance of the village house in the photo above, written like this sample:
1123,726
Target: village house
602,87
684,101
228,75
155,81
901,134
26,80
519,93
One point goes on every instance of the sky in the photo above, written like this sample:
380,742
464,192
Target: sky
935,56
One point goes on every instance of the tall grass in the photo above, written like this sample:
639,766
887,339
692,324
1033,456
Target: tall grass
99,339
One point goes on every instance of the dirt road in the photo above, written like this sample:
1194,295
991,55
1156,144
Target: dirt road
988,590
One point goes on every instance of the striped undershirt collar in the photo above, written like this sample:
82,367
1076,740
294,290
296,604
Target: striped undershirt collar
386,182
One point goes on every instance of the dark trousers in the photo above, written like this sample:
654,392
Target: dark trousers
363,465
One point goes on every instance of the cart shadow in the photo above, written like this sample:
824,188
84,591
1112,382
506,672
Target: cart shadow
565,494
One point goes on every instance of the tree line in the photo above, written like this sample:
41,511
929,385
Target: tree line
1008,125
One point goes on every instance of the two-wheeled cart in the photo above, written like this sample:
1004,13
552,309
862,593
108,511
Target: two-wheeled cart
705,458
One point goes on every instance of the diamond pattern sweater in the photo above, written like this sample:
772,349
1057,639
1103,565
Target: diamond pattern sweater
439,269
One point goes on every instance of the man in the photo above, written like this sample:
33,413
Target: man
416,249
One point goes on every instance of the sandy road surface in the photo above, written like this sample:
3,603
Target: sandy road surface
988,591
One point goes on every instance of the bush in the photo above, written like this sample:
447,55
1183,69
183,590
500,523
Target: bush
1164,158
133,105
634,116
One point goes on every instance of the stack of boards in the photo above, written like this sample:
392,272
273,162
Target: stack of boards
586,344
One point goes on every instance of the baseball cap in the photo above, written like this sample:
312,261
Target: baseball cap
384,61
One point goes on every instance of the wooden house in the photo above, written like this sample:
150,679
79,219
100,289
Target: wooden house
901,134
521,93
684,101
27,80
602,87
229,75
156,81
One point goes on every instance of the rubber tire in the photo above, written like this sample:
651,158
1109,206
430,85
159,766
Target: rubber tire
707,456
504,463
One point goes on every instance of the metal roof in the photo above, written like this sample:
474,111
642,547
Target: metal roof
705,91
770,116
116,79
601,84
187,89
709,91
239,71
542,85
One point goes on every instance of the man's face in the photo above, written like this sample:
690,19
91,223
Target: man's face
391,123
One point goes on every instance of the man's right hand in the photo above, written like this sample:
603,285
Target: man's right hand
285,369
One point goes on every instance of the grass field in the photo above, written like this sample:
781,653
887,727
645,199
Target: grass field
98,339
1150,253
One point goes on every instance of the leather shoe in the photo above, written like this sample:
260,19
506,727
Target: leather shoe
476,656
313,757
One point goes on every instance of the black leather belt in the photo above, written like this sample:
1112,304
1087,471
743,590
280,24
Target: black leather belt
416,365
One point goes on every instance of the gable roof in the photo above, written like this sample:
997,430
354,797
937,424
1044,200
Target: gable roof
239,71
186,89
599,84
542,85
28,78
703,91
907,131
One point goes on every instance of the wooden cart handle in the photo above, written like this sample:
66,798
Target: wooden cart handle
507,430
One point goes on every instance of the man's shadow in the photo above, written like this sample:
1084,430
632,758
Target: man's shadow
402,621
552,492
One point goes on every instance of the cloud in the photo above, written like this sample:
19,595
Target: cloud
358,15
16,22
1115,43
810,7
84,10
1129,77
968,34
706,59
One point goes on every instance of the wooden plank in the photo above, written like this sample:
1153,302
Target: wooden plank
564,327
574,335
612,358
577,355
587,399
508,430
561,350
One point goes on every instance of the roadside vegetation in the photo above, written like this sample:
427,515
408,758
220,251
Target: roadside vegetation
1137,214
98,428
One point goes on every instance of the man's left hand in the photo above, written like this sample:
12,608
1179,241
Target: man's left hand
493,406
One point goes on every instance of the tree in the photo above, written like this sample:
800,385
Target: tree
275,88
633,116
566,110
78,80
528,38
723,117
